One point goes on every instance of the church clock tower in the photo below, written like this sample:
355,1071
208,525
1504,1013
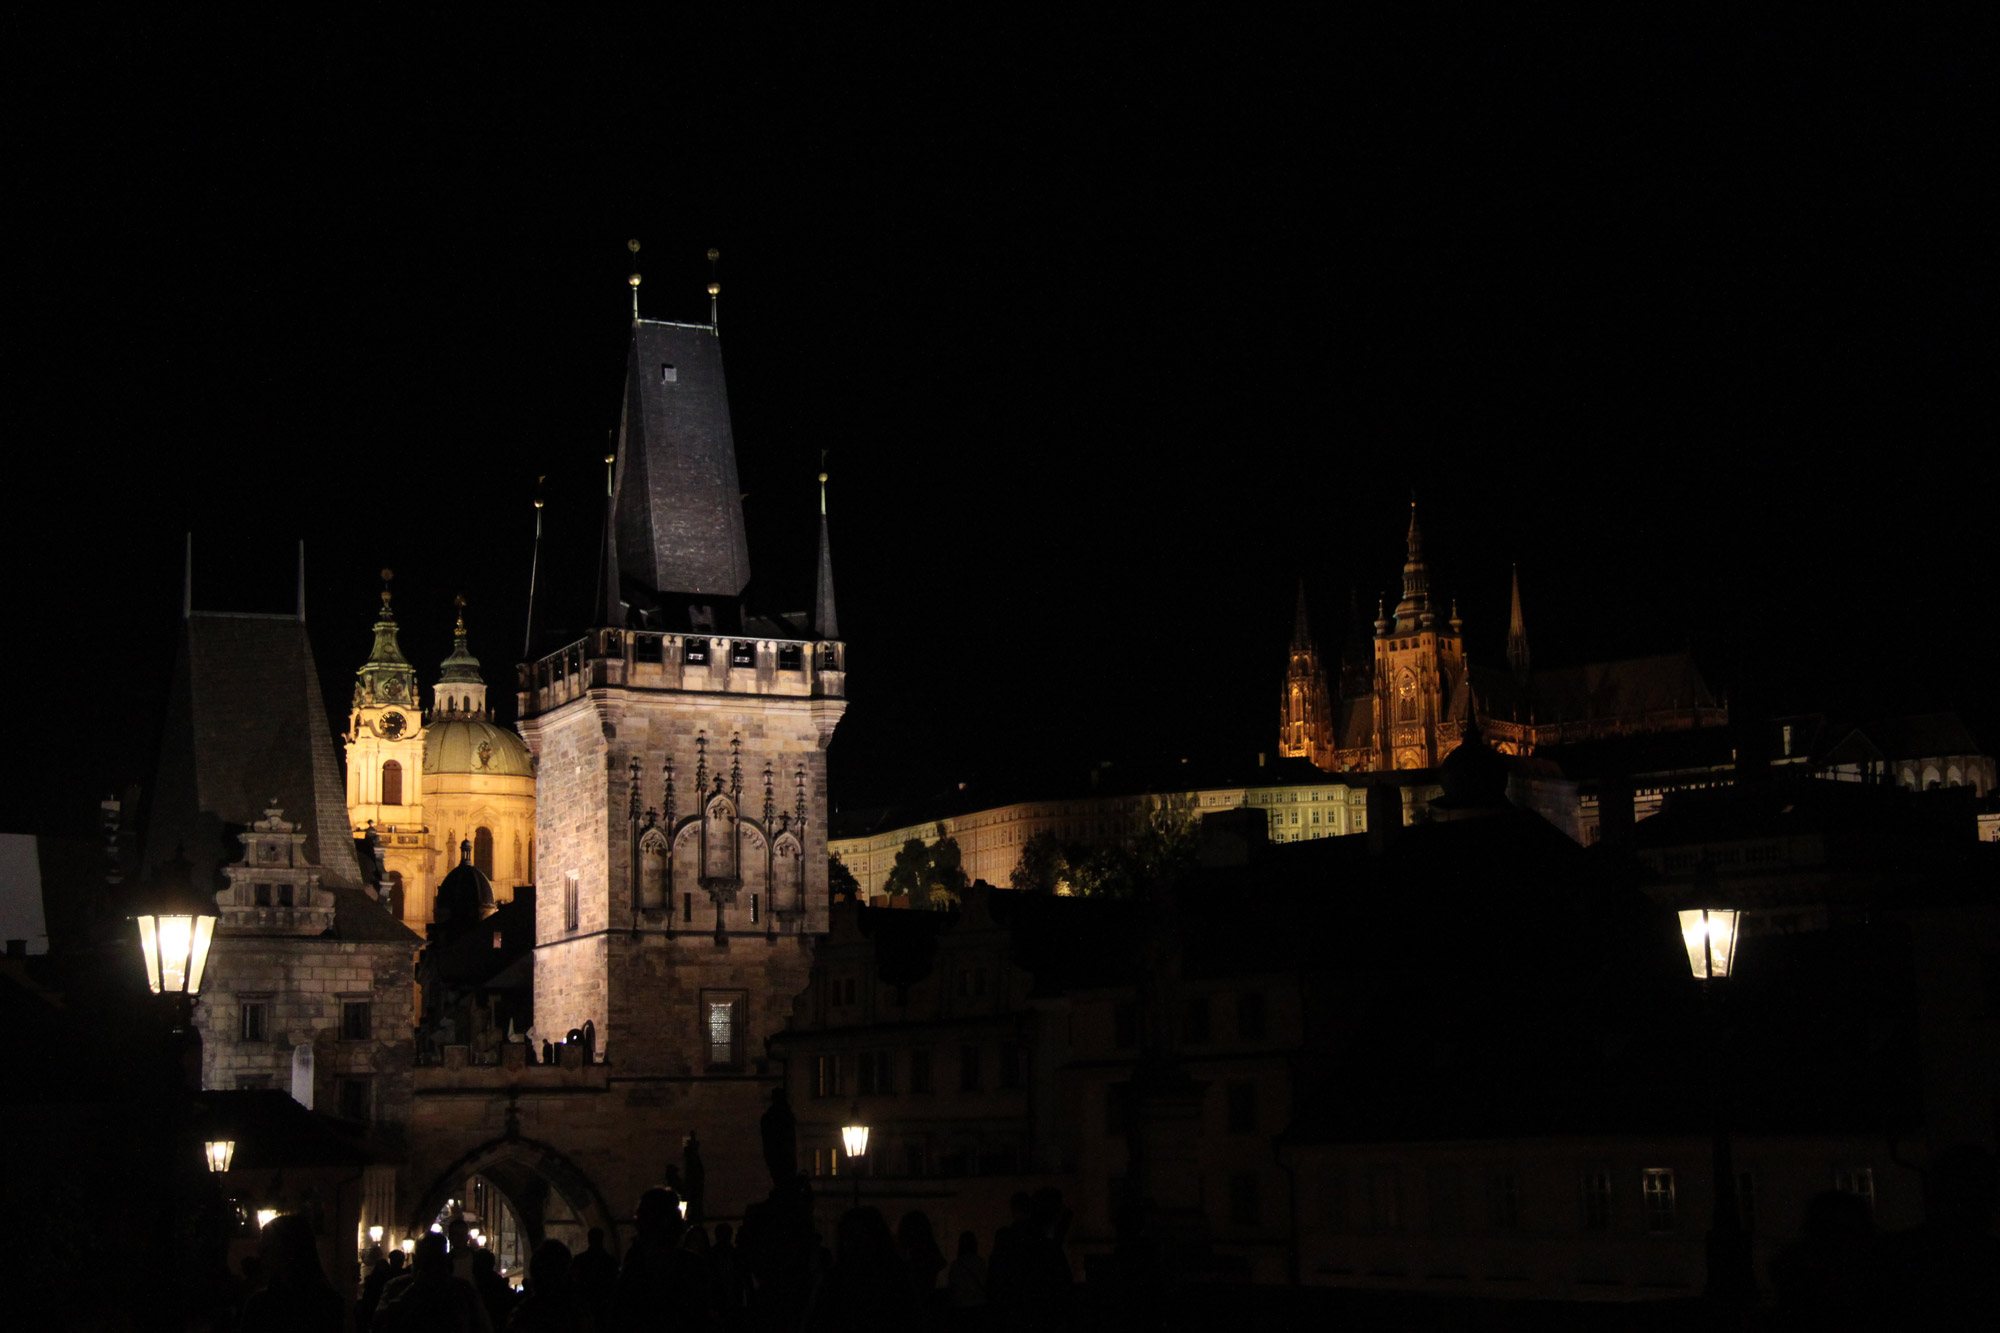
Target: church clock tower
385,767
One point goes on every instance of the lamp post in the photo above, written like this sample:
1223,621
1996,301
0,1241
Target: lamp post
220,1153
854,1138
1710,933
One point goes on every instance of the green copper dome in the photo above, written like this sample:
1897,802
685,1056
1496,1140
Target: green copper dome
461,745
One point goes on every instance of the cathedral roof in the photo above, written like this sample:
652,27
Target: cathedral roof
679,511
1630,686
462,745
246,729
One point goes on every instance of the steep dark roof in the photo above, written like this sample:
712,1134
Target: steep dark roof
679,509
246,727
1924,736
1627,687
360,918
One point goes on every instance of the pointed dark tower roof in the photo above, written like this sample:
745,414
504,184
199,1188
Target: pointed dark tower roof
826,624
1517,632
1301,631
679,513
1414,611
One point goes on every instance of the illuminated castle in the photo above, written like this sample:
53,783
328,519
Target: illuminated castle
1409,696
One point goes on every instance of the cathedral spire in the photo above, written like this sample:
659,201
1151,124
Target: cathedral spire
826,624
1517,632
1301,632
1414,611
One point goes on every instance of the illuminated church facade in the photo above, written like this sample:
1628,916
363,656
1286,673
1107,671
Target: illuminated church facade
1407,695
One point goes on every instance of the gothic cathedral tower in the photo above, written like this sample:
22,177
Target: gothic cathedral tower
385,765
1419,666
680,822
1305,713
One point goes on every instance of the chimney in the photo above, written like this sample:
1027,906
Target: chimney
1385,816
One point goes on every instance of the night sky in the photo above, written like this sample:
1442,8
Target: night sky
1111,333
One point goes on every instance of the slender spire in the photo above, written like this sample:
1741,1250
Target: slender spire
826,624
534,568
614,606
1517,632
633,246
1301,632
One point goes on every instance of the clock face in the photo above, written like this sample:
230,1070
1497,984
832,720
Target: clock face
392,725
1406,684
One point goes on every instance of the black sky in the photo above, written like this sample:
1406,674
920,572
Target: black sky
1112,330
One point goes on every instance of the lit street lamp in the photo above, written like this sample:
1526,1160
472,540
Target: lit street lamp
220,1153
855,1139
1710,933
176,926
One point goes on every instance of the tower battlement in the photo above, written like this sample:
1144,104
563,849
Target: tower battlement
683,664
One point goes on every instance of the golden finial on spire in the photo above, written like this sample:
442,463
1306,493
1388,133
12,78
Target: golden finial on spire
459,602
714,287
387,575
633,246
822,483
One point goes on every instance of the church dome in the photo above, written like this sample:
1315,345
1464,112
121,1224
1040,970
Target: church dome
465,895
464,745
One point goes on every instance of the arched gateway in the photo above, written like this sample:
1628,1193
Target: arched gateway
548,1195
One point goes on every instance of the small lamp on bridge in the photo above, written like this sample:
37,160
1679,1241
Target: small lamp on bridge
220,1153
1710,936
176,926
375,1235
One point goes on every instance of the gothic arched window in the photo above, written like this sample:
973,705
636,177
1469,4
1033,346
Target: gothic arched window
482,851
653,870
392,782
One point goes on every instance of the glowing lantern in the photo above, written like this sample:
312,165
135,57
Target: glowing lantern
855,1139
265,1216
176,926
1710,935
220,1152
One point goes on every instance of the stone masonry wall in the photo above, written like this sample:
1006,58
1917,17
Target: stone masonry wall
303,981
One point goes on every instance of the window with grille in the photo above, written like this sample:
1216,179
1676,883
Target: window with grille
256,1020
1656,1191
722,1019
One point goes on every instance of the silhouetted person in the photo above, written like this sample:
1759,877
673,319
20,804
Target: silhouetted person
548,1051
595,1276
1831,1277
916,1241
661,1285
372,1286
965,1288
589,1041
429,1297
296,1297
779,1129
867,1290
1028,1282
1946,1271
725,1268
494,1293
553,1303
697,1180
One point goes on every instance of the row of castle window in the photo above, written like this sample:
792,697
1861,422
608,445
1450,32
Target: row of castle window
873,1073
357,1019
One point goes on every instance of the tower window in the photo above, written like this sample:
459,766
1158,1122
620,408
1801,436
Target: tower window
694,652
392,782
790,658
570,905
742,653
482,851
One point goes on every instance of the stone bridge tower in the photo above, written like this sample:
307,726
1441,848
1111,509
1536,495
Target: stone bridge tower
680,746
